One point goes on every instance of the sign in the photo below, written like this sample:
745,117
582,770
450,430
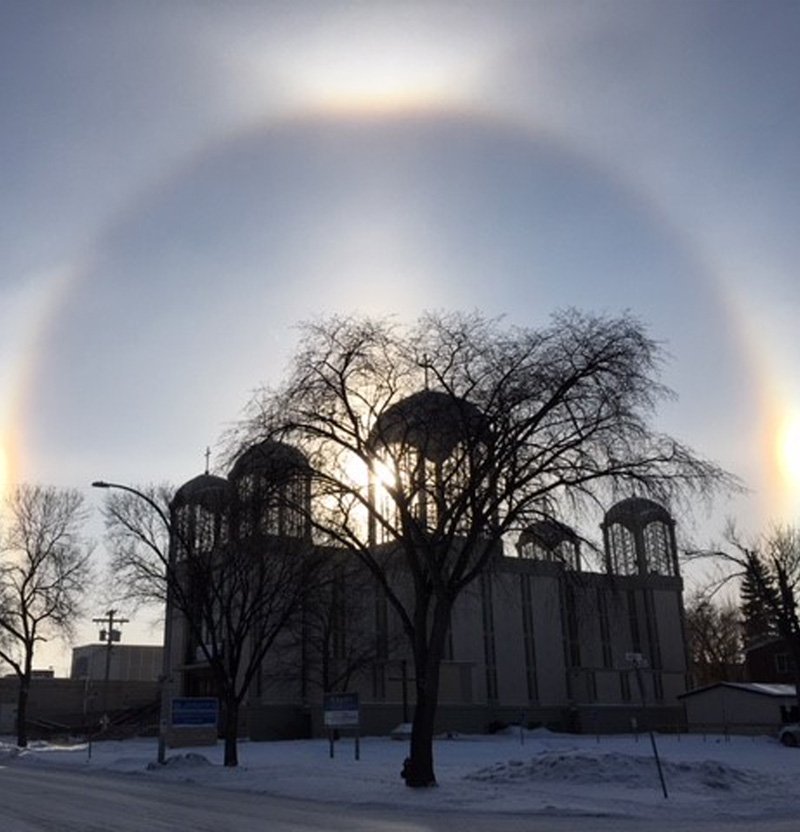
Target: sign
340,710
636,659
195,712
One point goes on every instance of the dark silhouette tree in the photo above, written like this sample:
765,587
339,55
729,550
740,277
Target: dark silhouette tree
430,444
756,586
714,635
44,572
770,565
234,596
333,641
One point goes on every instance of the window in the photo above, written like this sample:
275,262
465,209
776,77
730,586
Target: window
633,623
658,548
204,537
623,550
591,685
529,640
572,636
658,686
605,629
625,685
784,663
490,655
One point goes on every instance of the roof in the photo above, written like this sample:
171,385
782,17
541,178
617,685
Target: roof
206,490
548,533
638,510
758,688
431,421
766,641
275,460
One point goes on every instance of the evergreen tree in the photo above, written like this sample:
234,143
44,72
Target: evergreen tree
757,586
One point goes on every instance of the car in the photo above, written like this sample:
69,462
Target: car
790,734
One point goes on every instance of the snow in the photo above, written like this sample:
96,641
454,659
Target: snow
536,771
762,687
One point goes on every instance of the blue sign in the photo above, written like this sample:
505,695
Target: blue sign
195,712
340,710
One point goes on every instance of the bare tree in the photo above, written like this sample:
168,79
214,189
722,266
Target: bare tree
336,638
430,444
714,635
44,572
138,537
235,596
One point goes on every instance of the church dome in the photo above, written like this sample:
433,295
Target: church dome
548,533
271,460
637,511
205,490
430,421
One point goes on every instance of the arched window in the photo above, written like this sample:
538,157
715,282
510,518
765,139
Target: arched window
272,486
199,529
658,548
550,540
429,442
622,546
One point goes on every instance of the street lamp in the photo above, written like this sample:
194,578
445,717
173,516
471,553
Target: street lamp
166,665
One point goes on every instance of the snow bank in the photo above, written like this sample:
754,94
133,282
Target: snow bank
536,772
619,770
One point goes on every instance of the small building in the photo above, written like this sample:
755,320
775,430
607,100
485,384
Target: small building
740,707
75,704
128,663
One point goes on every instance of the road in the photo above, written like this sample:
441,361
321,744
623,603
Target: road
49,800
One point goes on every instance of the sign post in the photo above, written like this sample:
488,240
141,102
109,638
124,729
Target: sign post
639,661
341,710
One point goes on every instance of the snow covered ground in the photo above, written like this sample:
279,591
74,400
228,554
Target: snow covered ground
706,777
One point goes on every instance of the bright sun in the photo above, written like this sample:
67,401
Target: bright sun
788,450
367,63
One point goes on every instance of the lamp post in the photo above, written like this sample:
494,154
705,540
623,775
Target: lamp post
166,664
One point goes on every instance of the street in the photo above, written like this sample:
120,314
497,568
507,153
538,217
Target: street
49,800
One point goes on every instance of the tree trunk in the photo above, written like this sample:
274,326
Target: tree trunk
418,769
230,733
22,711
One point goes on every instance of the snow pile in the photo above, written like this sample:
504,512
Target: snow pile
181,761
580,767
8,751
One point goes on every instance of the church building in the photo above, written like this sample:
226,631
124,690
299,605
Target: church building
548,635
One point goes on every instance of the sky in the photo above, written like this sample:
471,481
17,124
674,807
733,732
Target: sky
183,183
536,780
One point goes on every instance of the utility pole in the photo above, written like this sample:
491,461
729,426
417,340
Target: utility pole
108,636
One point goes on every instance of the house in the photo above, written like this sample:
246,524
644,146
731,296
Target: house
769,660
126,662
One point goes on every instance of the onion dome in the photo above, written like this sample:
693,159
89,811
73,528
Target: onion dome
547,533
430,421
637,511
270,460
205,490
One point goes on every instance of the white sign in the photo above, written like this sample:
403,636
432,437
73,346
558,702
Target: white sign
340,710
